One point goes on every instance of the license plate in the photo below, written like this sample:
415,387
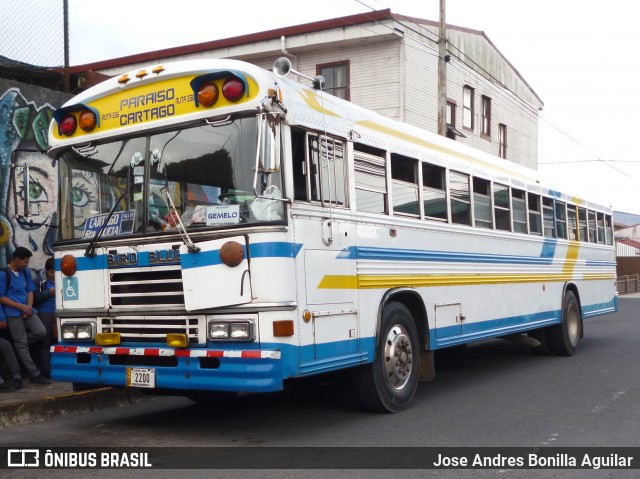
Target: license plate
141,377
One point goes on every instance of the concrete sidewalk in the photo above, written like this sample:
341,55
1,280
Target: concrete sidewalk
38,402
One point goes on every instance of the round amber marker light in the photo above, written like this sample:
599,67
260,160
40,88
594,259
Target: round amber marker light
87,120
68,265
231,253
208,94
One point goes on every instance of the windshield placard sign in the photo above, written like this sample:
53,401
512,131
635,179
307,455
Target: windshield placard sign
223,215
120,223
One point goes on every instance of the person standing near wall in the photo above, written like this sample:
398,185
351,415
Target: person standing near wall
6,353
45,301
17,302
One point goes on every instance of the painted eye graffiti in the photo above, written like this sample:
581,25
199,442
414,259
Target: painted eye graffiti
37,193
81,197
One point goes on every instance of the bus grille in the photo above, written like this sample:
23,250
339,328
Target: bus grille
150,329
158,287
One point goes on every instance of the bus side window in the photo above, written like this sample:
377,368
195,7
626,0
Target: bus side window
535,218
561,220
601,230
482,203
299,165
519,203
434,191
501,207
572,221
609,229
326,166
460,198
548,218
582,224
404,177
591,215
371,179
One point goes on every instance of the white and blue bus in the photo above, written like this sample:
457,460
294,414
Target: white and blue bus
224,229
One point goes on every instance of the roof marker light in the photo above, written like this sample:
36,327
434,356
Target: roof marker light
87,120
67,125
233,89
208,94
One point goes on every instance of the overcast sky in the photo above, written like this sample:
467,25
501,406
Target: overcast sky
579,56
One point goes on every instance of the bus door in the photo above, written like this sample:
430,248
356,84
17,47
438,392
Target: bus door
331,297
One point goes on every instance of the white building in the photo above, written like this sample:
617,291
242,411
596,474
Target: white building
389,63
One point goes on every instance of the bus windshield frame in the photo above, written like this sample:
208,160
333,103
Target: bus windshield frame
207,171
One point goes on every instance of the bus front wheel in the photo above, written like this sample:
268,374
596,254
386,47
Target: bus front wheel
389,383
563,338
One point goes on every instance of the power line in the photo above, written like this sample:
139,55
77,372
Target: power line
596,157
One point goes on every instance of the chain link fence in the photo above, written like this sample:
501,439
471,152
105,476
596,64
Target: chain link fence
32,42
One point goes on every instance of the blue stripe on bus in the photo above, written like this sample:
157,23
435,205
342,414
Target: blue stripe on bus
271,249
392,254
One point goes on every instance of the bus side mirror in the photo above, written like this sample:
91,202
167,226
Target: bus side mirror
273,147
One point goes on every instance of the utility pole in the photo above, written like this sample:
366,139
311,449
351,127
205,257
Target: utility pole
65,11
442,72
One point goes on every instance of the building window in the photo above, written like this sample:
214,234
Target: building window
467,107
486,117
452,132
502,139
336,78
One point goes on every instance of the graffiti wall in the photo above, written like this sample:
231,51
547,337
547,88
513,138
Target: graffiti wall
26,172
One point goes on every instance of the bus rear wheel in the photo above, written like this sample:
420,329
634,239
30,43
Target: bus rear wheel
389,383
563,338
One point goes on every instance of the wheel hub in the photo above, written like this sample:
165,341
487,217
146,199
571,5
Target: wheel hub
398,357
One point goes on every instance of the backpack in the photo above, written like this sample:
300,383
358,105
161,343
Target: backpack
8,275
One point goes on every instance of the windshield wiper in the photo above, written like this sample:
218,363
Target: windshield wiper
91,248
173,212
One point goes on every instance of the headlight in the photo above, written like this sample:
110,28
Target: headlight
218,331
233,330
77,331
239,331
84,331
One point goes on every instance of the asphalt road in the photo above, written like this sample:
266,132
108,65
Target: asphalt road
493,394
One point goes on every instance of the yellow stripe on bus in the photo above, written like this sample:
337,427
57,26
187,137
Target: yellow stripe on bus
572,255
393,281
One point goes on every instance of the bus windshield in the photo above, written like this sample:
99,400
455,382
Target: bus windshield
203,176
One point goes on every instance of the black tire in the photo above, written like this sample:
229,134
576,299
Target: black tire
564,337
386,385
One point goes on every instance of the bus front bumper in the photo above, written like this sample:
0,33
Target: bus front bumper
177,369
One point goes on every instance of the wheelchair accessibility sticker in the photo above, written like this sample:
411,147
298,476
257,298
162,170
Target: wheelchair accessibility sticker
70,290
